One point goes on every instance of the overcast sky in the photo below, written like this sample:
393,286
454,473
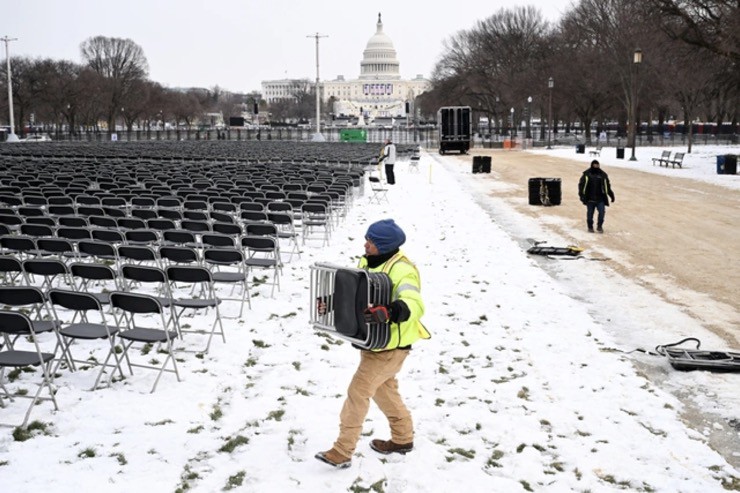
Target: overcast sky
238,43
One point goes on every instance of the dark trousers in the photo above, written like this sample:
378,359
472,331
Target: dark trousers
390,176
590,208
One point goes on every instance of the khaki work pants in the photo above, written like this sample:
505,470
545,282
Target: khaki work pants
375,378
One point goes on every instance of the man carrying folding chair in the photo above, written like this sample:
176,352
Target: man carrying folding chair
376,375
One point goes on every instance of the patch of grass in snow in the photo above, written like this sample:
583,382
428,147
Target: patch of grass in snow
609,478
525,485
216,413
523,393
468,454
34,428
159,423
558,466
438,402
235,481
14,375
659,433
4,463
297,365
196,430
496,455
442,370
259,280
377,487
186,477
87,453
521,448
291,438
120,458
731,484
260,344
145,350
250,362
232,443
276,415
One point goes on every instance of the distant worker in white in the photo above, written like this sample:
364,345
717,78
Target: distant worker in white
388,156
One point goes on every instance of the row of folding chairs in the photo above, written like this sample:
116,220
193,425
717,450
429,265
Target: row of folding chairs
40,240
79,318
230,261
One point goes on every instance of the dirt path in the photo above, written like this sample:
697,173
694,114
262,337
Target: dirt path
678,237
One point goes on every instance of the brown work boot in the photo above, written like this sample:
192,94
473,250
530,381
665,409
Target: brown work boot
334,458
389,447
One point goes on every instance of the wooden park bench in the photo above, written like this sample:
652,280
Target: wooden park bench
664,157
676,161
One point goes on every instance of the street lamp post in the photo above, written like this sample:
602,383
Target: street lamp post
550,85
12,137
513,130
317,137
529,117
636,61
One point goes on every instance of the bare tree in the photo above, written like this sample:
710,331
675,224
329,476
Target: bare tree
710,24
121,63
495,65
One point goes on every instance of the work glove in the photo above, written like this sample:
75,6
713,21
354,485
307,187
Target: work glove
612,197
376,314
583,201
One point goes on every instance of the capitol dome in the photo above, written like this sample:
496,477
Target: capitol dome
379,58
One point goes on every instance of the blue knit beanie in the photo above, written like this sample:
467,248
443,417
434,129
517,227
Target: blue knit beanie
386,235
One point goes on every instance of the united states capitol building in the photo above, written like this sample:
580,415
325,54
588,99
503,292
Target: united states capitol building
379,91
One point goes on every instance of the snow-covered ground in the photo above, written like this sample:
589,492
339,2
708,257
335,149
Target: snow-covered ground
521,388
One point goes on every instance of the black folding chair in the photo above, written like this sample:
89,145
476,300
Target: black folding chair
83,305
261,252
48,269
193,277
128,308
170,255
137,274
23,246
11,269
103,276
141,254
227,267
15,325
33,303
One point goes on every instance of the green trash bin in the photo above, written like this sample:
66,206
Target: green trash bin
620,152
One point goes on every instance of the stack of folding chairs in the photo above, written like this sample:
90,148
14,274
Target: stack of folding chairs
339,296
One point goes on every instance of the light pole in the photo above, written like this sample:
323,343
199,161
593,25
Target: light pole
317,137
636,61
529,117
550,85
513,130
12,137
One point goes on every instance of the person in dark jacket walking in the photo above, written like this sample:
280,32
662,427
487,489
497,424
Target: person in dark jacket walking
595,191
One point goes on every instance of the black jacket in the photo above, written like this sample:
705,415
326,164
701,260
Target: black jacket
594,186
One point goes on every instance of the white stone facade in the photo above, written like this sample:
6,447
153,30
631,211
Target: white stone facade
274,90
379,91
